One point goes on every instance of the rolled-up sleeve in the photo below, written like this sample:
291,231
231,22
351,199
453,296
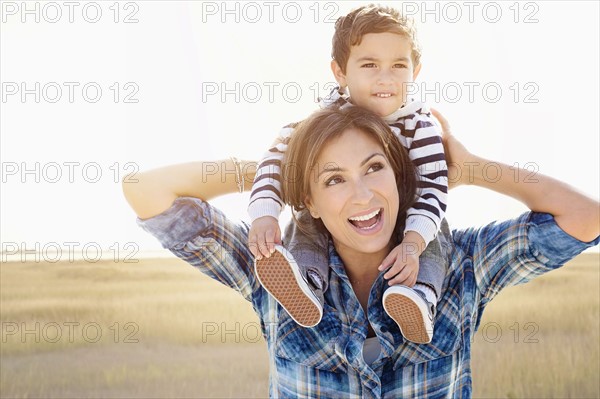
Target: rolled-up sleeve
515,251
550,244
201,235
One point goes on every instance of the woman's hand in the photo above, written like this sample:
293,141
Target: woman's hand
576,213
458,158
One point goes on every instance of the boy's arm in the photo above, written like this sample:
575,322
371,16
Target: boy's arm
265,199
424,217
426,151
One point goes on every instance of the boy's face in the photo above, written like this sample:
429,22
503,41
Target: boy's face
378,72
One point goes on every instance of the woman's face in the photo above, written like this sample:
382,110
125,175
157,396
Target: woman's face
353,190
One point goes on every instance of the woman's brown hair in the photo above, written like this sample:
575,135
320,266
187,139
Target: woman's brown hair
313,134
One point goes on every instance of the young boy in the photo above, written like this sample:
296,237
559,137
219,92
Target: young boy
375,57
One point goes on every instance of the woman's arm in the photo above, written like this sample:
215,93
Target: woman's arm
152,192
575,213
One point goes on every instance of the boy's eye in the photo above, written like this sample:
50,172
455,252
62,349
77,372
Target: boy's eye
400,66
370,65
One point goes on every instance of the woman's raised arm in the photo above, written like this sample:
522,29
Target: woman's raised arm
152,192
576,213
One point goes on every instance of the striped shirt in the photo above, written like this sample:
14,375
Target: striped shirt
414,126
327,360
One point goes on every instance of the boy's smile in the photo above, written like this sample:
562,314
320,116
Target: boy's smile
378,72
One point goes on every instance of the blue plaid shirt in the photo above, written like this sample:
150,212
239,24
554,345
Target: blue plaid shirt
327,361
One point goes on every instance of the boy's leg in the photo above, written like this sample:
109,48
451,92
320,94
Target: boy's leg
310,250
413,309
433,265
298,276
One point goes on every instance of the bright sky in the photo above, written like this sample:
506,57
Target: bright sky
195,80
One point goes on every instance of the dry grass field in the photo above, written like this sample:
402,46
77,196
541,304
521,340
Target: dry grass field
158,328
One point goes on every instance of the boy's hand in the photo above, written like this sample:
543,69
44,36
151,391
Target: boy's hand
404,261
264,234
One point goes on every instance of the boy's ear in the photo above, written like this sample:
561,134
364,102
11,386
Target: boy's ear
340,76
416,71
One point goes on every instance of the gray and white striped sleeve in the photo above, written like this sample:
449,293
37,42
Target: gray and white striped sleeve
266,198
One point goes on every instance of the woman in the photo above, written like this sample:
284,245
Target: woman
342,164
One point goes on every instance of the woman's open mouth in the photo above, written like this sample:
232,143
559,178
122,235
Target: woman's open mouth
369,222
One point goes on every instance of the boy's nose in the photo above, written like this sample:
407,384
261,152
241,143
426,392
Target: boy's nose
384,77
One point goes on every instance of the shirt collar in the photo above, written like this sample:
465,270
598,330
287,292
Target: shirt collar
340,98
384,326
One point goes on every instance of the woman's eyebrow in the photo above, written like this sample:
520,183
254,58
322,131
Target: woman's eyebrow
332,166
367,159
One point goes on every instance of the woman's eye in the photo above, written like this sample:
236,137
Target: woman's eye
333,181
375,167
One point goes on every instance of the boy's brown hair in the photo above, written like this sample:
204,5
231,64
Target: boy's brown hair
350,29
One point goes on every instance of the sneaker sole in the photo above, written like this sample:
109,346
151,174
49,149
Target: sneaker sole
281,280
409,317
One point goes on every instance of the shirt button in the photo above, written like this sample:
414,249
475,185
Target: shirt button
384,329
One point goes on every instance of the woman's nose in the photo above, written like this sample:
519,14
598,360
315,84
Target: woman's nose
362,193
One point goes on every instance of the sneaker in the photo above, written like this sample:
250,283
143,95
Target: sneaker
411,311
281,277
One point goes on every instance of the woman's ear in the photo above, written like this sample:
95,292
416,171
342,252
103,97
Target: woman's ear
339,75
311,208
